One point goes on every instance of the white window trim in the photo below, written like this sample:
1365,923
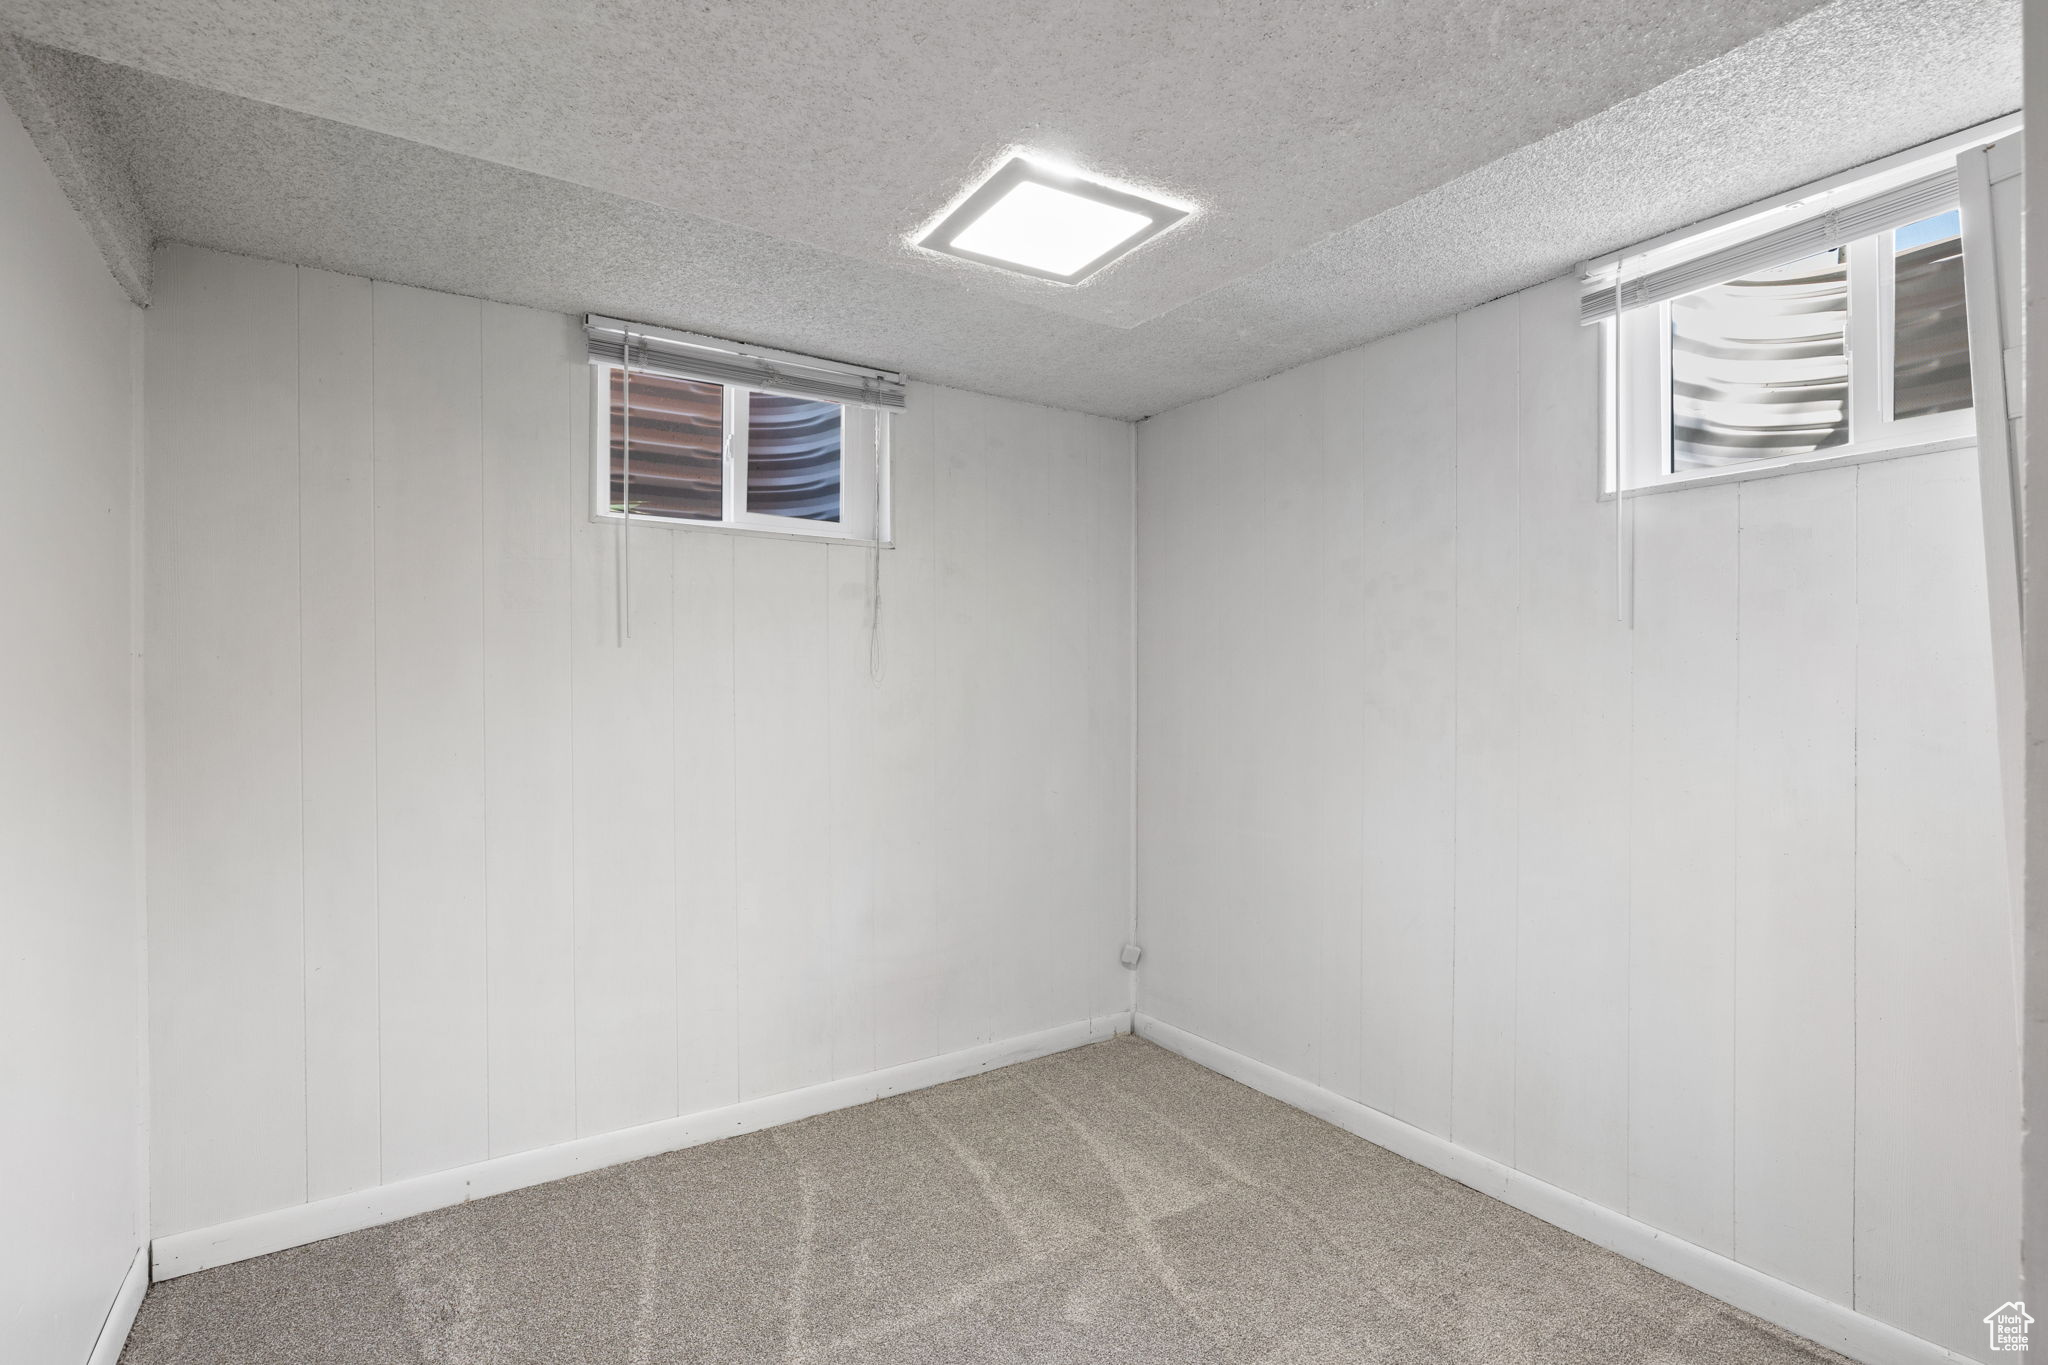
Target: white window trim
1645,448
861,428
1752,220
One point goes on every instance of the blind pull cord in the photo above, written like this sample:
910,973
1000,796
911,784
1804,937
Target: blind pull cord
875,419
623,546
1624,548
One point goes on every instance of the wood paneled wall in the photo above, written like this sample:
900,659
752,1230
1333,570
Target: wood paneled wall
440,871
1703,919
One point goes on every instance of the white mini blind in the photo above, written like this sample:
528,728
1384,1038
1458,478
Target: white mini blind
685,355
1896,207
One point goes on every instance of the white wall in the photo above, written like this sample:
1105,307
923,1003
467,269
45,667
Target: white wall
439,872
2033,454
71,1120
1704,921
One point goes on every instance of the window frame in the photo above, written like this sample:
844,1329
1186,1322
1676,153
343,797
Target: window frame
864,484
1643,340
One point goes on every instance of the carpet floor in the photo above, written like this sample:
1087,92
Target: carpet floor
1116,1203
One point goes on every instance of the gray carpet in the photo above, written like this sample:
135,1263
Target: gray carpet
1115,1203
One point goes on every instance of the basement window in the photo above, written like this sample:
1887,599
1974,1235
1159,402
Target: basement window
737,439
1838,337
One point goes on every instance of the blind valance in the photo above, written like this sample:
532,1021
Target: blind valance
685,355
1896,207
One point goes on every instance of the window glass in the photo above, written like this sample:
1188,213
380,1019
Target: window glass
1760,365
1930,328
793,449
678,456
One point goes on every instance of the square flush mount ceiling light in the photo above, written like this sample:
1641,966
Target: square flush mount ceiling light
1036,220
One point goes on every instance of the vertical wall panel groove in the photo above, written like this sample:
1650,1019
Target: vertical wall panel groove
1487,745
624,735
533,409
429,644
1682,866
707,1049
225,843
338,728
852,797
964,692
1335,410
1409,694
908,920
1794,1064
1571,1028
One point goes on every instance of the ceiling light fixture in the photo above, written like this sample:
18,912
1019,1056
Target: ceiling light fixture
1039,220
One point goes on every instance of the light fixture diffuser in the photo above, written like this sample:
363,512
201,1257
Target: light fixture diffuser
1051,224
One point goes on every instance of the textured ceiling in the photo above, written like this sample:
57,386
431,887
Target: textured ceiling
753,172
844,126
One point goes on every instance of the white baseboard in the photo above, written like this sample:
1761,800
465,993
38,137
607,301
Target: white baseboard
106,1349
1818,1319
184,1252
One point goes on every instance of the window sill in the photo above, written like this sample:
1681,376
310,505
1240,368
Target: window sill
1800,465
758,533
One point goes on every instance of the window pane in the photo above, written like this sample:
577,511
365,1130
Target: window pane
1930,329
1760,365
678,466
792,457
